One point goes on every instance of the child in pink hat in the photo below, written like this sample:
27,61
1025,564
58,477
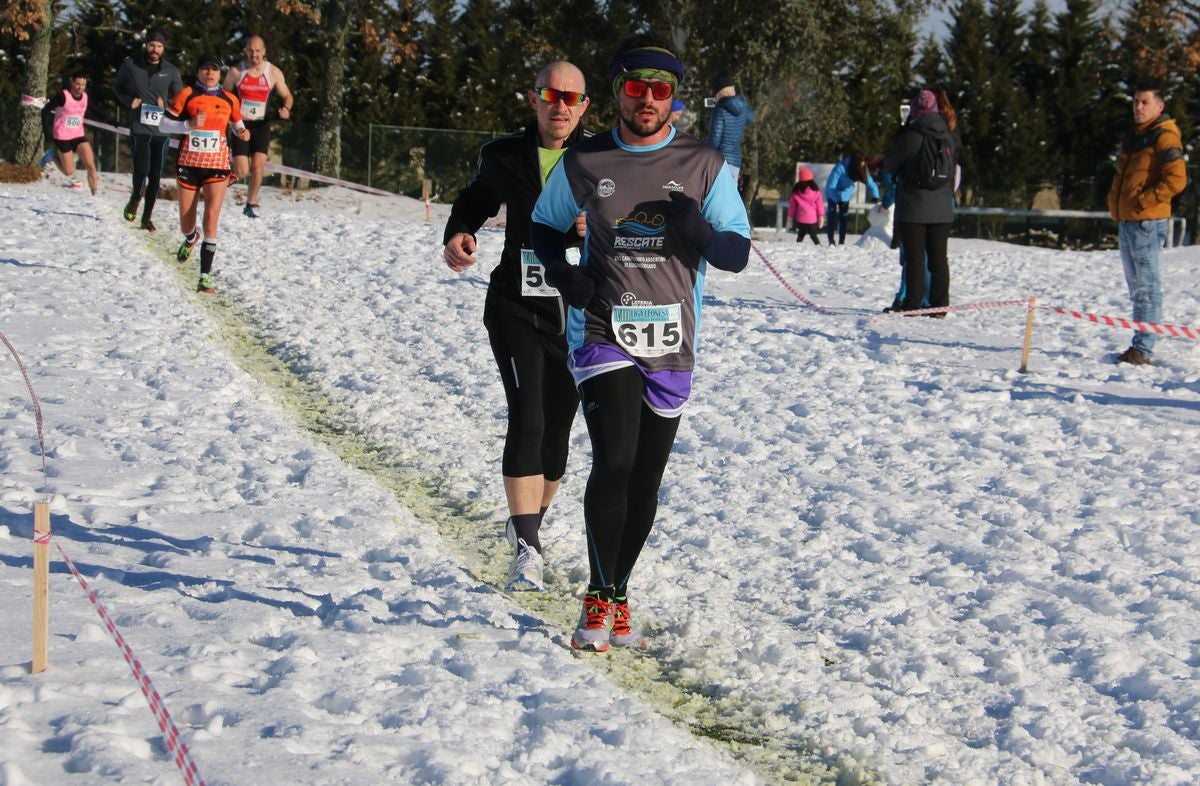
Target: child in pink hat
806,208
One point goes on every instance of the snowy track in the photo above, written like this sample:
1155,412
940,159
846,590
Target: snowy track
877,541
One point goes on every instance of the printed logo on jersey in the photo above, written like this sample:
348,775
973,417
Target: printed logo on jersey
673,186
640,232
629,299
606,188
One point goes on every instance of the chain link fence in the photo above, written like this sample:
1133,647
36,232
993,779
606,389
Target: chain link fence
392,158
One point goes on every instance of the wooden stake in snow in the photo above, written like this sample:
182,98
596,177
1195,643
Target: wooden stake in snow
426,189
41,586
1028,334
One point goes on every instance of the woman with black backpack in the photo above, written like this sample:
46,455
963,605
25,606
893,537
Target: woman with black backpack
924,159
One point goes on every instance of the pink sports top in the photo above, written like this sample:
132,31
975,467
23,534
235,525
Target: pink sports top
68,119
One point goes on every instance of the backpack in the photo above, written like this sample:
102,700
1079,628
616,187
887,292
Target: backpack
935,159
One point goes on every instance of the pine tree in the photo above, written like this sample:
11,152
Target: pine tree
1154,47
882,78
791,73
1000,157
1035,75
1085,105
93,26
931,62
968,85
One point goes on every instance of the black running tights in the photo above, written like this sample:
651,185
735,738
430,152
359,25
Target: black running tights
149,152
541,397
630,448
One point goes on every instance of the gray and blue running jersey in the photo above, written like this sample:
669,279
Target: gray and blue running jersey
648,303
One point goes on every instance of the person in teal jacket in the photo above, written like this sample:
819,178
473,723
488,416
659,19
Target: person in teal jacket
839,189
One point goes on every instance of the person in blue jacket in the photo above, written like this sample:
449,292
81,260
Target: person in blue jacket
729,123
839,188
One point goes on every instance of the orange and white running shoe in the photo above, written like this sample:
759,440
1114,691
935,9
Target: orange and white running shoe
592,633
623,634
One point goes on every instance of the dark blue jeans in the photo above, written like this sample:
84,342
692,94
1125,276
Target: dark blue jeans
837,213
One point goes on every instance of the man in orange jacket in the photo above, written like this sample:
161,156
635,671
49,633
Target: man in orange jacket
1150,171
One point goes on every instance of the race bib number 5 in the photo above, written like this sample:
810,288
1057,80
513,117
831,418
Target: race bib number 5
648,331
533,277
203,141
151,115
533,274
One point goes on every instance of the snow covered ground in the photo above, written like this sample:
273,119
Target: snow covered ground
882,554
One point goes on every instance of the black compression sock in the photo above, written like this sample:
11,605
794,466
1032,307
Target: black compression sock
526,526
208,250
542,514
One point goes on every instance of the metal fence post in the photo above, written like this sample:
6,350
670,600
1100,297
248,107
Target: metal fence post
370,160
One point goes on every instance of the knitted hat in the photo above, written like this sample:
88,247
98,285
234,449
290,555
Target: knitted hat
924,104
643,58
722,81
676,105
209,60
157,35
804,174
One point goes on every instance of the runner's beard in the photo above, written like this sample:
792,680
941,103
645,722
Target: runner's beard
635,124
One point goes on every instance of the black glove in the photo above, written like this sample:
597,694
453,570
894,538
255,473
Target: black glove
687,221
575,283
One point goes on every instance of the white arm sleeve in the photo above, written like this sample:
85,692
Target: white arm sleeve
173,126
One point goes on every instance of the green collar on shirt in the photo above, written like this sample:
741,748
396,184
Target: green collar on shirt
548,159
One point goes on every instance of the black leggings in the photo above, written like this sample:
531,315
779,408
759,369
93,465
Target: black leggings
807,230
630,448
541,397
930,241
149,153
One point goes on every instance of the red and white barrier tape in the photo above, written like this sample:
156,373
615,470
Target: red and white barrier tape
33,101
37,408
270,166
122,130
171,734
175,745
786,284
1178,331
